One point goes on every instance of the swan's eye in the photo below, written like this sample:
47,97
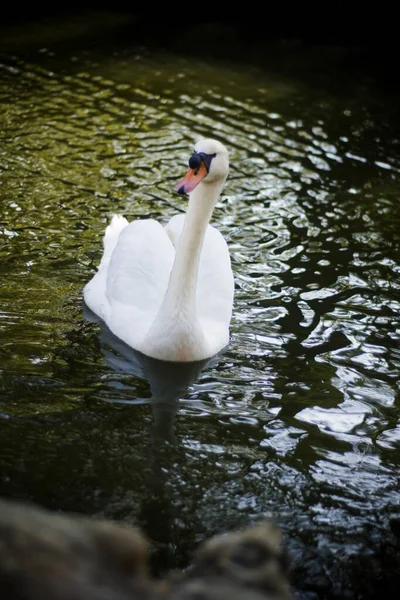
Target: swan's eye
195,162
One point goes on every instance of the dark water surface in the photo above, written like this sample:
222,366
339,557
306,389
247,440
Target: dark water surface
298,419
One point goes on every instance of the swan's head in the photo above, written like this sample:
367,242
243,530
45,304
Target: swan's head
209,163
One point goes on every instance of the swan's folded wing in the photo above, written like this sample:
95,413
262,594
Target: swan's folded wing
111,236
140,266
174,228
94,291
215,282
129,286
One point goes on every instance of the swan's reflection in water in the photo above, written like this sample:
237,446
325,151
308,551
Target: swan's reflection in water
159,500
168,381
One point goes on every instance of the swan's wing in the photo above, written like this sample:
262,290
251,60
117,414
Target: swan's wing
140,265
132,282
94,291
215,284
118,223
174,228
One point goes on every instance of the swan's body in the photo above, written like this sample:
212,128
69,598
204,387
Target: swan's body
168,291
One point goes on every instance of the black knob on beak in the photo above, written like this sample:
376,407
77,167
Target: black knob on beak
195,161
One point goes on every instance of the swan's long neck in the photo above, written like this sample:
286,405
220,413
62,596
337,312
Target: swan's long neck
176,333
181,292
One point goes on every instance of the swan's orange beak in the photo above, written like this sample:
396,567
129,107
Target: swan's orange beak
191,179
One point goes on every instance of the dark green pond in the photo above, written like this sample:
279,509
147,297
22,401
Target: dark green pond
298,420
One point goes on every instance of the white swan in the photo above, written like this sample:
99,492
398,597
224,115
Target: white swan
168,291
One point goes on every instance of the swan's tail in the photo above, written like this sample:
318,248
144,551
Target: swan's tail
111,235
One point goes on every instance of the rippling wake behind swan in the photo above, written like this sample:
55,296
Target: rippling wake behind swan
168,291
